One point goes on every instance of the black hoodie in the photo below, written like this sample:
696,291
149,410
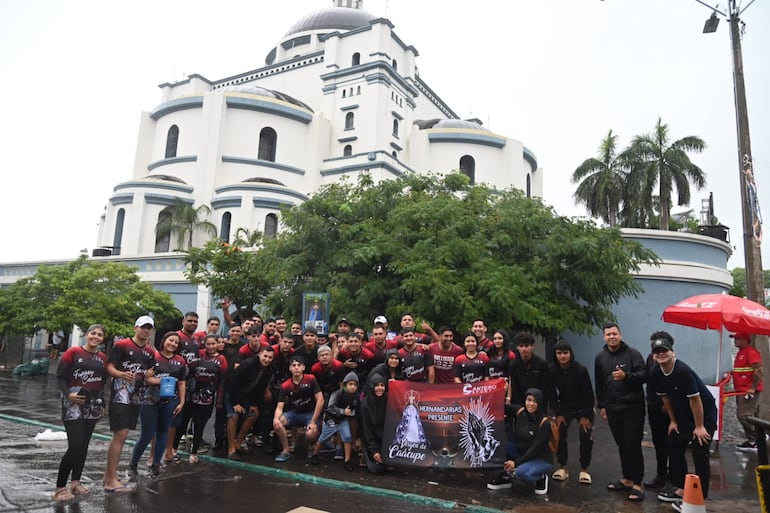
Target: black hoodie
372,414
530,434
571,391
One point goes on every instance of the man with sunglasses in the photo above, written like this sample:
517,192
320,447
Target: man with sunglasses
692,416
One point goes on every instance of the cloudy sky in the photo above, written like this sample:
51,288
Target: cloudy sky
554,74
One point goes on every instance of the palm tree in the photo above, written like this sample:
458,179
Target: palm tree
184,220
247,238
602,182
652,159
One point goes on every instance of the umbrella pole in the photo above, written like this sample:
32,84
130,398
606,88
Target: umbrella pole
719,357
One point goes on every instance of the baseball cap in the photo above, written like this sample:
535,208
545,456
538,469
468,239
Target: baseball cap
380,319
741,335
344,320
144,319
661,343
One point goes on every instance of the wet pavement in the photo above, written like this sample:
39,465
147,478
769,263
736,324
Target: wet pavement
28,473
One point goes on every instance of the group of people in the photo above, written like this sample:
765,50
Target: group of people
265,379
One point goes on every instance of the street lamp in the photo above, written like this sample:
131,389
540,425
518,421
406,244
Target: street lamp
711,24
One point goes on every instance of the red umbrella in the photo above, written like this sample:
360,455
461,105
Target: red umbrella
717,311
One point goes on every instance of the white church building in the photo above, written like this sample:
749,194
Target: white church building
339,95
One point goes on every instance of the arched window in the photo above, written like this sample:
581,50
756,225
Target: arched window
344,93
395,66
358,90
267,142
224,227
162,243
172,139
395,127
349,121
468,167
271,225
394,154
118,235
347,151
529,187
356,59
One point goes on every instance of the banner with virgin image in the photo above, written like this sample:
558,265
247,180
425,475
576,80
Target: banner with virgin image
447,426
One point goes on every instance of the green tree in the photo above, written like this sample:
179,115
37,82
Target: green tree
82,292
602,182
236,271
739,281
450,252
184,220
653,160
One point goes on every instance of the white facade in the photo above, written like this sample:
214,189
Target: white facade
339,95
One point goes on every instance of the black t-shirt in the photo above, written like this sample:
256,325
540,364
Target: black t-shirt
679,385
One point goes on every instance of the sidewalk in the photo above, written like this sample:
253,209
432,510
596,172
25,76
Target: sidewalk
28,472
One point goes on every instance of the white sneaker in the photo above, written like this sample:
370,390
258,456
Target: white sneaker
541,485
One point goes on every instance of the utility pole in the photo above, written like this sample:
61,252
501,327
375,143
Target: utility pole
752,220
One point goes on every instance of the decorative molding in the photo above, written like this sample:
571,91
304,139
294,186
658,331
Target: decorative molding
229,202
172,160
164,199
270,106
262,163
188,102
153,184
122,199
465,136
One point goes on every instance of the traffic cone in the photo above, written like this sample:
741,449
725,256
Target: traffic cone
693,495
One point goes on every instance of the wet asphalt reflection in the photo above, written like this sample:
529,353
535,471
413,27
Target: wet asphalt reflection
28,474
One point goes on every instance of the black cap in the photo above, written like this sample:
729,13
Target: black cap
344,320
661,343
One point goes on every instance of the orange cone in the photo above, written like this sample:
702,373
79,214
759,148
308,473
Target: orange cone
692,501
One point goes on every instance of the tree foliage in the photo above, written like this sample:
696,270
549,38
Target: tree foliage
655,160
184,221
633,189
82,292
739,281
602,182
450,252
237,271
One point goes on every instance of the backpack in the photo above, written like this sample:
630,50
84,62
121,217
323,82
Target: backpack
553,440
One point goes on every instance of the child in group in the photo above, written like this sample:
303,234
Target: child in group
342,406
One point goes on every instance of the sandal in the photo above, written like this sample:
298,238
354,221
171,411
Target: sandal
635,495
79,490
62,494
618,486
561,475
585,477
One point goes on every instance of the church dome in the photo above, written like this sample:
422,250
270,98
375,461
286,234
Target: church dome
261,91
332,18
464,124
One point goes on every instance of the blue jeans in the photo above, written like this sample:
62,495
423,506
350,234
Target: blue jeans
531,470
155,420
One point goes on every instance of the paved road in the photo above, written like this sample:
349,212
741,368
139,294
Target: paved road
28,472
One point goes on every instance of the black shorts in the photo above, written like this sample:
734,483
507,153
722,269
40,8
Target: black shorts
123,416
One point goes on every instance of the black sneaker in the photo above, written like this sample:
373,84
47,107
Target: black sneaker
349,466
747,447
155,470
500,482
669,495
132,474
541,485
313,459
677,506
